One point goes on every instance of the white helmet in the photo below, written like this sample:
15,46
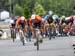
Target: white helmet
33,16
50,12
12,21
55,17
22,18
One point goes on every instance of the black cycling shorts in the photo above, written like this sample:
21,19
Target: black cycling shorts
22,25
36,25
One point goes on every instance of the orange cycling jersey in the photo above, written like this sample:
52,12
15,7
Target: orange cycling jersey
19,21
37,20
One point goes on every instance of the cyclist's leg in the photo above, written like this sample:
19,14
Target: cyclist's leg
34,36
29,35
40,36
50,35
25,34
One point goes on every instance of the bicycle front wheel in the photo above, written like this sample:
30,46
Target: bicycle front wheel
37,44
22,40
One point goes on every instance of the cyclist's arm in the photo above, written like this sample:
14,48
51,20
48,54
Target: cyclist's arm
17,24
46,26
26,26
39,19
46,17
31,27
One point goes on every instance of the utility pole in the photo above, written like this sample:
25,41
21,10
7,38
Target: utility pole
10,8
13,7
0,14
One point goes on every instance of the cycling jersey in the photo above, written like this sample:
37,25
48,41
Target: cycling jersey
71,19
36,23
21,23
47,17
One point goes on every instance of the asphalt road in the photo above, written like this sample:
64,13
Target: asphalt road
61,46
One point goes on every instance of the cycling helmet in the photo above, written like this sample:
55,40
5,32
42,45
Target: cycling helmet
22,18
33,16
63,17
50,12
55,17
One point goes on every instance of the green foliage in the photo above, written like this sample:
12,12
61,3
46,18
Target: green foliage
19,10
26,12
4,4
60,7
39,10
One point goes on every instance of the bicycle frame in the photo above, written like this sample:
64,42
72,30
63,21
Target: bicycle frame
37,37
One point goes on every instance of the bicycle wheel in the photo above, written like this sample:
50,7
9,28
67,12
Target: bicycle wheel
22,40
37,44
13,34
50,35
22,37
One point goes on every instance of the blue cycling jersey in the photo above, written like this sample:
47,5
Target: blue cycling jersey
47,17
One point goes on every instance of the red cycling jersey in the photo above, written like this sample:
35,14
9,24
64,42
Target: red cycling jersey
37,20
19,21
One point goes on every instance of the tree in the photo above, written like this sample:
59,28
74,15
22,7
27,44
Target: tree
39,10
19,10
60,7
4,4
26,12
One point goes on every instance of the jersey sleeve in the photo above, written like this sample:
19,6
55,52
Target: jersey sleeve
30,22
46,17
39,19
18,21
25,21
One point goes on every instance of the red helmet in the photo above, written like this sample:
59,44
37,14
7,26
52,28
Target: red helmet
71,18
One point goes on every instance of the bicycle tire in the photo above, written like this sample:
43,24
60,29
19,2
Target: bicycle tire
37,44
13,35
22,40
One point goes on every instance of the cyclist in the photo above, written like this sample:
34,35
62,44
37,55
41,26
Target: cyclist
50,14
50,26
71,20
56,19
12,28
35,23
63,19
22,23
13,22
